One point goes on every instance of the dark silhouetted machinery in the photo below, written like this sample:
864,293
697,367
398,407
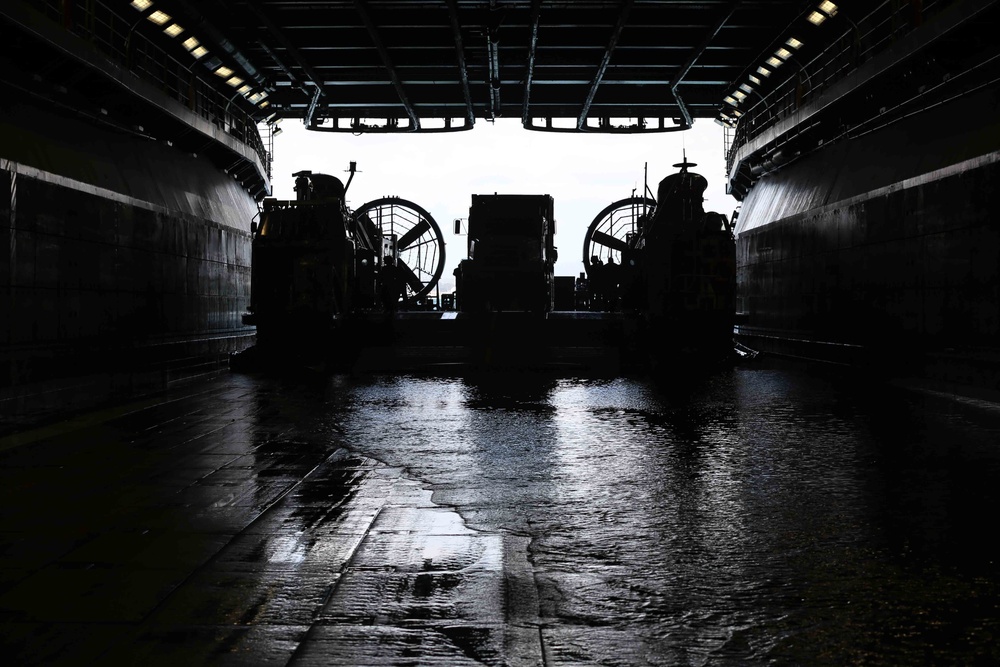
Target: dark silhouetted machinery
327,283
511,255
316,264
669,262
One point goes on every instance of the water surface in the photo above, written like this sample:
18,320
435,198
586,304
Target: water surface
769,514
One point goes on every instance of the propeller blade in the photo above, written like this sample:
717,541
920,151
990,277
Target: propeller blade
610,241
369,232
407,274
415,233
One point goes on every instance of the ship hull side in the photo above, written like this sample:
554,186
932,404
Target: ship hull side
882,249
124,264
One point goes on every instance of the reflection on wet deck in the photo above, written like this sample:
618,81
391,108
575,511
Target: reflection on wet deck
767,514
212,529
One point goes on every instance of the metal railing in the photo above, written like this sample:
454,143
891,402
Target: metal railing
119,39
886,23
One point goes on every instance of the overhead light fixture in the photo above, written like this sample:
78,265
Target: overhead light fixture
816,18
730,100
271,117
158,17
746,89
244,90
828,7
763,71
774,62
754,80
191,43
264,104
199,51
224,72
234,81
173,30
737,112
142,5
793,43
783,53
740,95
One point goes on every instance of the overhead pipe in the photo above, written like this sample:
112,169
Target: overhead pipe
463,70
536,12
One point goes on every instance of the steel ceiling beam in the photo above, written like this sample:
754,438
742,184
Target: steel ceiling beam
698,52
493,75
626,6
700,49
279,35
293,80
362,8
400,58
536,14
463,70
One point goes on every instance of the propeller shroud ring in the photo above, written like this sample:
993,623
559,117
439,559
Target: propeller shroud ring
420,243
607,235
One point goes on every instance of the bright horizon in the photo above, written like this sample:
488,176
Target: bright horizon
440,172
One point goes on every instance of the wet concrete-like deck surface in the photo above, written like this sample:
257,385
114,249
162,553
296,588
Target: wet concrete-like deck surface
206,528
773,513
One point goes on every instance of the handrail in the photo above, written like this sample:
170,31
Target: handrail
119,40
855,46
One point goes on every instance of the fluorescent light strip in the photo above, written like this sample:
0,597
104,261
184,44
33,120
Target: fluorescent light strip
142,5
158,17
816,18
173,30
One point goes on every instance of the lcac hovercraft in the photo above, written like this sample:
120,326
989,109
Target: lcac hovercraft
321,273
674,271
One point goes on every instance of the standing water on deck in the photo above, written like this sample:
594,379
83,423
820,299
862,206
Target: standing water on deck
765,514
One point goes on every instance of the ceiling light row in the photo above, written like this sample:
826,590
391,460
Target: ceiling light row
823,11
198,51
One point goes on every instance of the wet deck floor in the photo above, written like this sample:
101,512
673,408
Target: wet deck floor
253,520
202,529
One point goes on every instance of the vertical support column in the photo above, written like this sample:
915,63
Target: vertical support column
13,226
12,261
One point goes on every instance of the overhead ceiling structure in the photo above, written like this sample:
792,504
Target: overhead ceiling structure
441,65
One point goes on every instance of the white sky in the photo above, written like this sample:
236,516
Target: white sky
441,171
